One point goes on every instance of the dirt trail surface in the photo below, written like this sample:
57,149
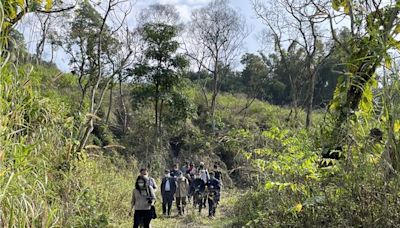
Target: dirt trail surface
193,219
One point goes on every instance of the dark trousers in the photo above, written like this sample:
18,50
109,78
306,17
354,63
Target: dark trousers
167,199
180,204
142,217
212,203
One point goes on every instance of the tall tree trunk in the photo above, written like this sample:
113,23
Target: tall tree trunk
156,110
367,61
214,99
160,116
93,108
125,113
110,103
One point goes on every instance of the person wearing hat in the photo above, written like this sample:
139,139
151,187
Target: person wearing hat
168,189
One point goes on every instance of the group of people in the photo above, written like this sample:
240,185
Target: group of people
181,185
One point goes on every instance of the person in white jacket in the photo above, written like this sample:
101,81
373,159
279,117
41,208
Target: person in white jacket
143,198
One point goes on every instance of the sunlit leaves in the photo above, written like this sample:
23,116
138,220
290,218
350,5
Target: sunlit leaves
396,128
289,160
345,4
49,4
366,103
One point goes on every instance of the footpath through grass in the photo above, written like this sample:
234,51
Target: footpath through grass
193,219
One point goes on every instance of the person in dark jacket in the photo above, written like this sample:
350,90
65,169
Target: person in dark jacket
214,192
217,173
213,183
143,198
196,184
168,189
175,172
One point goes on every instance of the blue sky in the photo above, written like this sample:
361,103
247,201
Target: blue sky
252,43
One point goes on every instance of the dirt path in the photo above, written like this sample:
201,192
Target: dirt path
193,219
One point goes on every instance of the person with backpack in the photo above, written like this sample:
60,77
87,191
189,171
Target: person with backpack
182,189
213,194
197,189
143,199
168,189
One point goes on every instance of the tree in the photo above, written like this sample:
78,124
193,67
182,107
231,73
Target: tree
160,14
298,19
161,68
288,69
97,39
373,27
254,77
14,10
216,34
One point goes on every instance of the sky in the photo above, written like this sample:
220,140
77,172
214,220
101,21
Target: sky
252,43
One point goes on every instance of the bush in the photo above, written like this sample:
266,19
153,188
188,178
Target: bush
300,190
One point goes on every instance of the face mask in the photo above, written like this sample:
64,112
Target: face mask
167,175
141,185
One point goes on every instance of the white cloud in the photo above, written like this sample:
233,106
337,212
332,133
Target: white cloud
185,7
171,2
184,12
196,2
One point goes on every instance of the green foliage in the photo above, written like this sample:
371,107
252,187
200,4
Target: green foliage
161,71
31,127
297,188
44,183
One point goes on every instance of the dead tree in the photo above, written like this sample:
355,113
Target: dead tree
219,31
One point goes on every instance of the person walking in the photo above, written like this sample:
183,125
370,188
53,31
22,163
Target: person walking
175,172
185,167
190,172
150,181
214,192
143,198
197,186
182,190
203,172
168,189
217,173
